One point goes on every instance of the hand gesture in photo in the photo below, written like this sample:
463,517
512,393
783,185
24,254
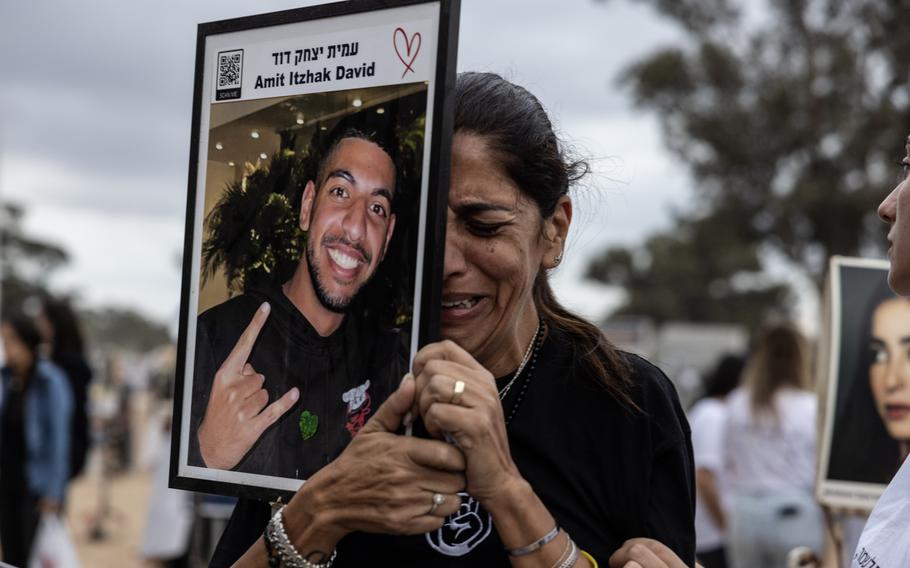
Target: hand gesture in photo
237,415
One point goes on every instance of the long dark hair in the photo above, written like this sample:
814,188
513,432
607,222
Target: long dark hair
67,339
862,449
28,334
517,129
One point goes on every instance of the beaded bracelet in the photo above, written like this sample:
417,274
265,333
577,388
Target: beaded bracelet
277,541
274,559
536,545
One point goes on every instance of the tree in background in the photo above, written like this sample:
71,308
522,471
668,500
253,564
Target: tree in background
26,264
791,122
119,328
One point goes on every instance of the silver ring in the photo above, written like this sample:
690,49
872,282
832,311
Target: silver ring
438,499
457,392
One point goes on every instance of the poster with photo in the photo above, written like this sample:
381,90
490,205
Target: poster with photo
865,429
319,157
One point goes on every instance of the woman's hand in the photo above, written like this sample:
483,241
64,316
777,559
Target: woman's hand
381,483
645,553
473,420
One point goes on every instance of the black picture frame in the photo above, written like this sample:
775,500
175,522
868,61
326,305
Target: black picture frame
852,435
434,175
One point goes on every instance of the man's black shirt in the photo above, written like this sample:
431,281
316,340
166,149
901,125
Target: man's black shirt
342,378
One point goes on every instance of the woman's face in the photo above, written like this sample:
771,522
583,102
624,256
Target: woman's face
496,243
889,373
18,357
895,210
45,327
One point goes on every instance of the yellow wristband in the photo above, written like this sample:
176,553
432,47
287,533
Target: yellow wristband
589,558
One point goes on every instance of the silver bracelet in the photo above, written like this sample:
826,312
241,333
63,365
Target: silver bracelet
536,545
573,556
283,546
566,552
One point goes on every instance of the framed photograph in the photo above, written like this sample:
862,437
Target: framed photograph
866,341
319,161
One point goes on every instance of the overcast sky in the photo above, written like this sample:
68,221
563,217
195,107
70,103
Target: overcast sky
95,101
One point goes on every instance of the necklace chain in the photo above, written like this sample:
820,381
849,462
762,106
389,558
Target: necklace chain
521,366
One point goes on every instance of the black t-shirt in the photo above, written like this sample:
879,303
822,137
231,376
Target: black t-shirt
13,451
342,379
606,473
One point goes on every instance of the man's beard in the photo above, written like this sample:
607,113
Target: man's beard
335,304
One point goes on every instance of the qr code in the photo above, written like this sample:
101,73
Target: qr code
230,64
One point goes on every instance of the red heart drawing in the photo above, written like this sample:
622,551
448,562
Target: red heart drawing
412,44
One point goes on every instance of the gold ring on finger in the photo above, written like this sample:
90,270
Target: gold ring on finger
457,392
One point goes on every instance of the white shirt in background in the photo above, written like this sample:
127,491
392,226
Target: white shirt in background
767,453
706,419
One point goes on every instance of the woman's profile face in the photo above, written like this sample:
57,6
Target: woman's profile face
494,250
895,210
45,327
17,354
889,372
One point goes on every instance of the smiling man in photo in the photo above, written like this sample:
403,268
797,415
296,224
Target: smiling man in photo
285,376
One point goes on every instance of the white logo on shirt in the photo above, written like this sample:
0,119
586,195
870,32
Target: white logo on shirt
356,396
463,530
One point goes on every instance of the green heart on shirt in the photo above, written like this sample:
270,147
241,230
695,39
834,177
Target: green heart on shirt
308,424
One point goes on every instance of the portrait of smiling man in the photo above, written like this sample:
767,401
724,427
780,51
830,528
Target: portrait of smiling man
285,375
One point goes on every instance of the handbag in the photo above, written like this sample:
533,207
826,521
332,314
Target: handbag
52,547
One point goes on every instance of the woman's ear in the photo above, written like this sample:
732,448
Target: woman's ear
556,230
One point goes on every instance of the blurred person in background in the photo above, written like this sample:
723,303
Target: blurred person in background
119,424
60,330
35,411
769,450
707,418
166,538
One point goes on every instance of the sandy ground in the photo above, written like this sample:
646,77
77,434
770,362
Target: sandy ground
117,541
107,513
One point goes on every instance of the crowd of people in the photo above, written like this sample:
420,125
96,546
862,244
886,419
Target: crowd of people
44,428
59,406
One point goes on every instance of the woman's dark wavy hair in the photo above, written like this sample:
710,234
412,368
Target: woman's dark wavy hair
517,129
67,339
862,449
